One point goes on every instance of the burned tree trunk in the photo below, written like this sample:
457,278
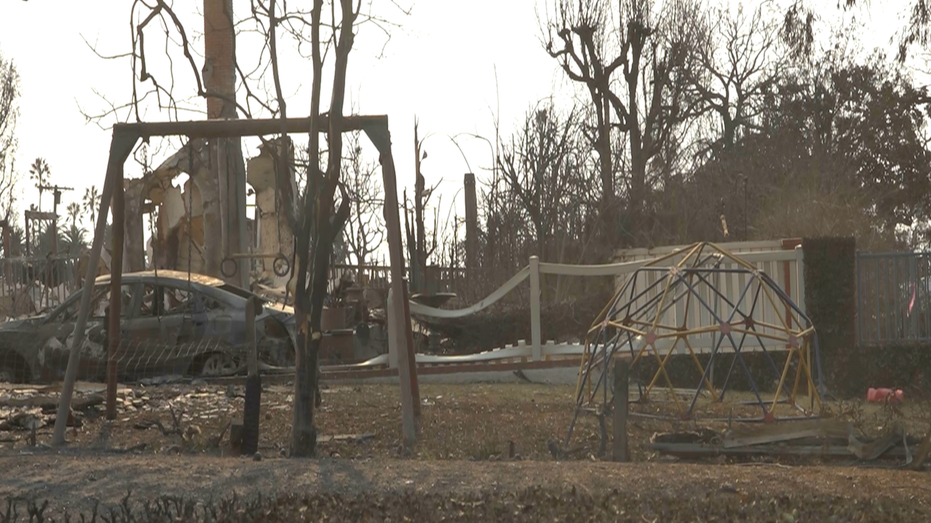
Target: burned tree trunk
319,228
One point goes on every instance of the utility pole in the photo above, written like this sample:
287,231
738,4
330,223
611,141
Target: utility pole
56,190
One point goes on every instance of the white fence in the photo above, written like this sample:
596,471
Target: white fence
782,260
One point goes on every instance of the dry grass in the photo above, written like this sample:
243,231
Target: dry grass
461,470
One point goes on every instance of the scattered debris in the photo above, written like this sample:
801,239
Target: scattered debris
352,438
823,438
924,449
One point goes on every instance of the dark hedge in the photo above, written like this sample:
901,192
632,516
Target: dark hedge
831,303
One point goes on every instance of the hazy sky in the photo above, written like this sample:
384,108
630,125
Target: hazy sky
440,65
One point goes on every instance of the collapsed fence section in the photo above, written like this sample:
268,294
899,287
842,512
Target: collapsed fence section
30,285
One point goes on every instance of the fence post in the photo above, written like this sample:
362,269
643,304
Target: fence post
619,450
392,342
253,403
536,348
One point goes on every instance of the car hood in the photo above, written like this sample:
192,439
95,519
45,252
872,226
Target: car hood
21,323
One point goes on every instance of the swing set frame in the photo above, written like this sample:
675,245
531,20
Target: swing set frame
127,135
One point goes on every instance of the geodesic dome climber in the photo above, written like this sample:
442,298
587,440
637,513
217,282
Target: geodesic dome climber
713,308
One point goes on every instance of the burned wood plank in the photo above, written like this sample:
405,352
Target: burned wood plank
700,451
355,438
743,435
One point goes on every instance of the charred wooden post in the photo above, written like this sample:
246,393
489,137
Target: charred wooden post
620,450
253,403
133,230
116,281
412,360
471,215
120,148
401,326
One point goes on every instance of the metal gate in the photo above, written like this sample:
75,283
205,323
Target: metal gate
893,297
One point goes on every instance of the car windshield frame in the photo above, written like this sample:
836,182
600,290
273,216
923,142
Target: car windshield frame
54,314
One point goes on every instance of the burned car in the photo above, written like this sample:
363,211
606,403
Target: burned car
170,324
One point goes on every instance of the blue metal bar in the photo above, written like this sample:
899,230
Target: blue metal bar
756,391
730,370
772,362
714,351
785,297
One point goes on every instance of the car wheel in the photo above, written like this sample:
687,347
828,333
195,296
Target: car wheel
13,368
218,364
7,375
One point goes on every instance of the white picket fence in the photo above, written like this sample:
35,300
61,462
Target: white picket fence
781,260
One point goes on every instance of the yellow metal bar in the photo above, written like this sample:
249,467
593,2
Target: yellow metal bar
782,379
761,334
811,383
701,330
772,302
733,258
798,376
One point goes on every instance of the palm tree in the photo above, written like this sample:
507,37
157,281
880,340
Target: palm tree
91,202
74,212
72,240
39,172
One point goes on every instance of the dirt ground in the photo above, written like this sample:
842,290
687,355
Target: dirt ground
480,445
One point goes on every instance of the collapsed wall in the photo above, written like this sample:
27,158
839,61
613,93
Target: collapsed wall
187,229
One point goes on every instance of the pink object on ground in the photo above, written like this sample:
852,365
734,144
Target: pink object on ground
882,395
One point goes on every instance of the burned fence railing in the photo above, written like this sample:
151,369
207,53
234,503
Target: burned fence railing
438,279
32,285
893,297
